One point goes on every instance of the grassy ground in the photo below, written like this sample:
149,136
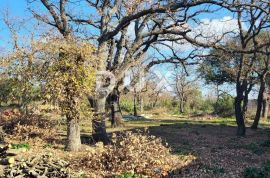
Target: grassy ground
147,121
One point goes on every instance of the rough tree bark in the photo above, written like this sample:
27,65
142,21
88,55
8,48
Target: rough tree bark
98,122
104,86
241,129
259,103
135,113
72,116
240,120
181,105
241,101
116,115
73,132
141,104
265,109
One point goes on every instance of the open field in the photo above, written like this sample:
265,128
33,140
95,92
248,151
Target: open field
218,151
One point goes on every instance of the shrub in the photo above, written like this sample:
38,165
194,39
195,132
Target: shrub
253,173
127,106
130,175
263,172
158,111
254,148
265,143
225,106
207,106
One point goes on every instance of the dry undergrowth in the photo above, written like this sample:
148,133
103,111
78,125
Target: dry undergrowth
27,128
129,152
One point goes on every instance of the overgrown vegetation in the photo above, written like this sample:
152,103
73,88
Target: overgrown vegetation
262,172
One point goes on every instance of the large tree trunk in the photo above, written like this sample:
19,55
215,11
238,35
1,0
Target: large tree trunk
241,102
135,113
155,102
116,115
240,120
259,104
98,123
141,104
73,120
117,118
73,132
265,109
245,101
241,129
104,86
181,105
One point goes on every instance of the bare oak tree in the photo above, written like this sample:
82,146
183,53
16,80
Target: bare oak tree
108,23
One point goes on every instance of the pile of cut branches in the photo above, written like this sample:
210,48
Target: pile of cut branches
130,152
5,158
25,127
38,167
2,135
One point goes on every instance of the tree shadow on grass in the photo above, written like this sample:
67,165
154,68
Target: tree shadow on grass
212,141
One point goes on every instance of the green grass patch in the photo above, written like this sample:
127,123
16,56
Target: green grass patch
184,149
130,175
20,145
214,169
48,145
256,149
266,143
263,172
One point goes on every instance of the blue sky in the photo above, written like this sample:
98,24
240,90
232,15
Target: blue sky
16,8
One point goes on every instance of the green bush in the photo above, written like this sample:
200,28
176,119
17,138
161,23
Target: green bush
253,173
6,90
265,143
215,170
126,105
207,106
263,172
130,175
254,148
224,106
16,92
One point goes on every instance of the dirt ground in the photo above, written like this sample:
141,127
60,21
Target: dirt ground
219,152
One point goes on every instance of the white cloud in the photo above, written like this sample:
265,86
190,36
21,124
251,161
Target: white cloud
131,31
210,30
